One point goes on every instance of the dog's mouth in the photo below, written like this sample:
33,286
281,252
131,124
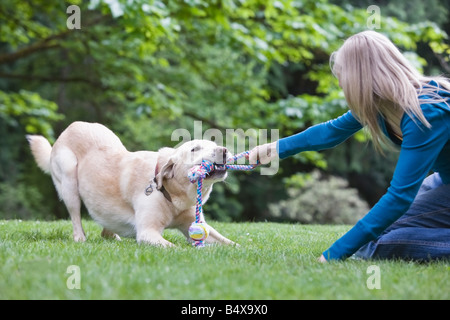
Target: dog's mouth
218,172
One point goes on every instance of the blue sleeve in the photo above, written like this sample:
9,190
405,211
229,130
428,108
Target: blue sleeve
420,148
322,136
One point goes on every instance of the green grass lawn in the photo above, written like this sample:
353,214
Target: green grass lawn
274,261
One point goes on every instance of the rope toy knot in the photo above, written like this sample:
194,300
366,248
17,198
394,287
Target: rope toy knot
198,231
200,171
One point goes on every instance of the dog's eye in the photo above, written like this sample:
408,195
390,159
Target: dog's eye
196,148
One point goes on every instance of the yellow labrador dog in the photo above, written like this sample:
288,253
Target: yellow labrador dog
88,162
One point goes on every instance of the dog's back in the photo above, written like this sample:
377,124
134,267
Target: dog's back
84,137
79,137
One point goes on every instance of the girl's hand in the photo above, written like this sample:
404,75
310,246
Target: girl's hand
322,259
264,153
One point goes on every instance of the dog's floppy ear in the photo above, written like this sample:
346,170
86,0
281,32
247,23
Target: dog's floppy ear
164,166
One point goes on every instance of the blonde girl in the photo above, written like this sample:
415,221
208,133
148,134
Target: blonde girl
398,106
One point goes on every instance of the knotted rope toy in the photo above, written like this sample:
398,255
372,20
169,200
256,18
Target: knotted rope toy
198,231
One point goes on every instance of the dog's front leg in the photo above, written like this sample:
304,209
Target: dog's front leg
150,224
152,237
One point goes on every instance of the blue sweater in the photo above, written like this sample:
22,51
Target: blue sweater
422,150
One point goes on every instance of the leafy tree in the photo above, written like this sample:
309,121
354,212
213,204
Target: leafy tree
146,68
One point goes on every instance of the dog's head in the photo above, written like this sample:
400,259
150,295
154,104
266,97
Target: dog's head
176,163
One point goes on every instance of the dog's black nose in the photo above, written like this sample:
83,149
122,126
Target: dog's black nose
224,152
221,155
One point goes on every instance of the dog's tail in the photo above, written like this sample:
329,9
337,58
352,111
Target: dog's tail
41,150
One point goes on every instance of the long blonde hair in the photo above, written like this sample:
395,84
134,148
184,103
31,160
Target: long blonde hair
378,80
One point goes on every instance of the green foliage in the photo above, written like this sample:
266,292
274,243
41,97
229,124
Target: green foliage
145,68
29,110
22,202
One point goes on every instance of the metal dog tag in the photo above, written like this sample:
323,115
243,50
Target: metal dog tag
149,189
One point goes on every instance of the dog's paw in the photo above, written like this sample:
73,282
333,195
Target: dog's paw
158,242
79,238
110,235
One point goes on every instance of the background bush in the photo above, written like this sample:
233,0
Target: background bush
22,201
323,200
